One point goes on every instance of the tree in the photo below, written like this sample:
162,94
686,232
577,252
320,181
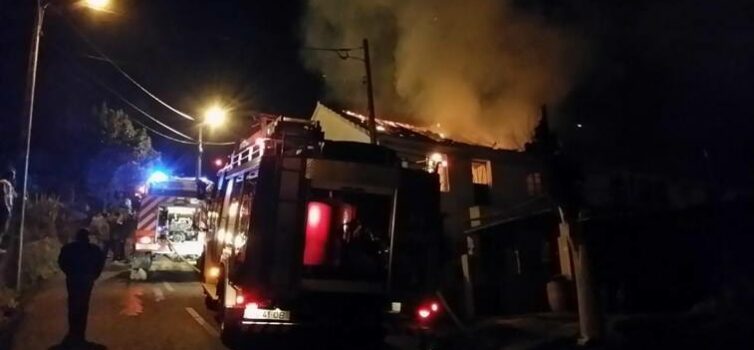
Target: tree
124,159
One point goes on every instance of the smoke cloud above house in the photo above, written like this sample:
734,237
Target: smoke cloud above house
480,69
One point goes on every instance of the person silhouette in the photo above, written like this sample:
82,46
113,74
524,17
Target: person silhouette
82,262
7,197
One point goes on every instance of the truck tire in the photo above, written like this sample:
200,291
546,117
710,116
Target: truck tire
231,333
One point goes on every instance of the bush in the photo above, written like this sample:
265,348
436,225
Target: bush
42,214
40,260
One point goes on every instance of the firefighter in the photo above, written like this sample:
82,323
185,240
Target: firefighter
7,197
82,263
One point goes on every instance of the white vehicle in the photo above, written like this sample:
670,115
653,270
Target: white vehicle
169,220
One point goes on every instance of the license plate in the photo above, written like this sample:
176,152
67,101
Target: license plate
265,314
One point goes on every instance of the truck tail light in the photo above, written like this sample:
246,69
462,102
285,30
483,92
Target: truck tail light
428,310
145,240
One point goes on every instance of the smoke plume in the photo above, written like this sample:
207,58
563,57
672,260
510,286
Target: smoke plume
475,70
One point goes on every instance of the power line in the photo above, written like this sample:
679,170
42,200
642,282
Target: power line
107,59
121,97
161,134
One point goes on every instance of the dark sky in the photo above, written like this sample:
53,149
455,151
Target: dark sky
666,79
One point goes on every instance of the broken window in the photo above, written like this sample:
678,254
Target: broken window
481,172
438,163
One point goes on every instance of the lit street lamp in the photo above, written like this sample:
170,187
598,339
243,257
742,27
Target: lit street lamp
99,5
214,116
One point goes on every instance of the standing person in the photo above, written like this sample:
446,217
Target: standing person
7,197
117,232
82,263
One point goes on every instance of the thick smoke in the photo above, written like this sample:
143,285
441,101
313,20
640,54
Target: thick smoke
479,68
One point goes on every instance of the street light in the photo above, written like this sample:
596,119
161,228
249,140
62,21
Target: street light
99,5
214,117
31,83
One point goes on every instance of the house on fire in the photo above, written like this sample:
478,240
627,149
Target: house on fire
483,189
476,181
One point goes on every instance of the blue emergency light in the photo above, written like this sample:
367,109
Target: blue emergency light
157,176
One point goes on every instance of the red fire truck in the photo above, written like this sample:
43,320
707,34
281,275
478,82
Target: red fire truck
313,234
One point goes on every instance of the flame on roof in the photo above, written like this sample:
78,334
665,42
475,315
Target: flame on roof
393,128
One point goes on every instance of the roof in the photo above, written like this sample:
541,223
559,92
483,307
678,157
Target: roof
428,134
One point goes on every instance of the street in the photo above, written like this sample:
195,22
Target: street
166,312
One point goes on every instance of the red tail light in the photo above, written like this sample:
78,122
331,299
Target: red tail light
317,233
240,299
428,310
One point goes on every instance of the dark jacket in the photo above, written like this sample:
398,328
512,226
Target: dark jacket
81,261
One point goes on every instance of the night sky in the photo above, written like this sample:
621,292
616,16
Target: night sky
665,80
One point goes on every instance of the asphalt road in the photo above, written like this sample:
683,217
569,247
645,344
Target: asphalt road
166,312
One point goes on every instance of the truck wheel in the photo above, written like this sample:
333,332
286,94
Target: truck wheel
230,331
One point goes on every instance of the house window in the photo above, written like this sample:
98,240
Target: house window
481,172
438,163
534,184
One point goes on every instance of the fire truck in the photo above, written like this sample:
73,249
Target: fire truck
310,234
169,217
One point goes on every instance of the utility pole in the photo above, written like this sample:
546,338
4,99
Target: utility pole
370,93
562,178
31,85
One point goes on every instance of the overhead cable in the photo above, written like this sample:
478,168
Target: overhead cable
107,59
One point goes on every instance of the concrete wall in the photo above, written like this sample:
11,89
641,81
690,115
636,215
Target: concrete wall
336,128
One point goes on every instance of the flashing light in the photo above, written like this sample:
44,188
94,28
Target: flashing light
218,162
157,176
145,240
424,313
213,272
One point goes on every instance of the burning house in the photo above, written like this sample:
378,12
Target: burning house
483,189
478,182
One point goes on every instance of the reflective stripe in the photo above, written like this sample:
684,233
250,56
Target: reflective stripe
150,203
147,222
